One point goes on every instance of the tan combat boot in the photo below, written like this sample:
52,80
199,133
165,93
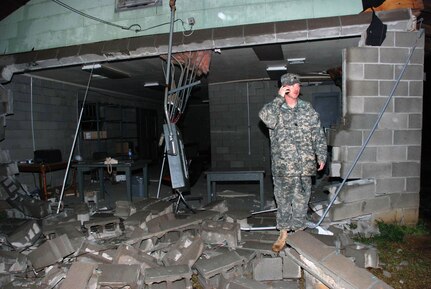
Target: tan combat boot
281,242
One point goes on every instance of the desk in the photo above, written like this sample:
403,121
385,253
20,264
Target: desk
42,169
235,175
123,166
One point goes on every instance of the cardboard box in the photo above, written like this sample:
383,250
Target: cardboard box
122,148
95,134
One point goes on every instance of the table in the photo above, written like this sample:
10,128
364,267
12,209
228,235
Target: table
231,175
42,169
123,166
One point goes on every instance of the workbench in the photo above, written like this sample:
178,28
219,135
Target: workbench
127,166
42,169
232,175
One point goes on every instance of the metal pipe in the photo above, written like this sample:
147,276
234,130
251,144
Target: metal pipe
364,145
168,66
74,142
258,228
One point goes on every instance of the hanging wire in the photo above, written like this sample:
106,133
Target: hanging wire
130,28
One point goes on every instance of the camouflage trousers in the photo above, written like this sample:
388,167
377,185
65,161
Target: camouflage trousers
292,195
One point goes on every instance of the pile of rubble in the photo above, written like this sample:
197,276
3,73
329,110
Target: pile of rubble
146,245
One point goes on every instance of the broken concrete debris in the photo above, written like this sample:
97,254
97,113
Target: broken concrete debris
155,248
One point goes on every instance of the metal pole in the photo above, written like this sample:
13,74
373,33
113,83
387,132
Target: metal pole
74,142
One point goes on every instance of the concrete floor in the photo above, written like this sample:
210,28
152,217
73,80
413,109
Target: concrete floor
238,195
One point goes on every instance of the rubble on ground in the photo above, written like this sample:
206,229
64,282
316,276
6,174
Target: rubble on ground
146,245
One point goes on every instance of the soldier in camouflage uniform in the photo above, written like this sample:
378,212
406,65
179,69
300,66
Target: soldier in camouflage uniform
296,140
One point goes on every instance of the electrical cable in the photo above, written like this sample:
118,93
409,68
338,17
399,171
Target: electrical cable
139,29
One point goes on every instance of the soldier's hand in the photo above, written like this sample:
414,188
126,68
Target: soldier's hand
321,166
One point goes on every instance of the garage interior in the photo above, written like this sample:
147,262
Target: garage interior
245,61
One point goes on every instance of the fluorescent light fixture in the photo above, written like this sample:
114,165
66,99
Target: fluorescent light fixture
276,68
89,67
150,84
104,71
300,60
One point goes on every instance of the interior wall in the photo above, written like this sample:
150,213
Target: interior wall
48,111
238,138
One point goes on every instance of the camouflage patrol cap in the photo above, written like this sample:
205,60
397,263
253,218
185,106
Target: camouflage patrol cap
289,79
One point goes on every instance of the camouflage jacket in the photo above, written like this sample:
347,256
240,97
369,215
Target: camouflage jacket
296,138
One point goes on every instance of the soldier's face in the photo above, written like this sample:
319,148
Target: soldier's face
293,90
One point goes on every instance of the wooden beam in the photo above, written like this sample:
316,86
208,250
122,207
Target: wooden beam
415,5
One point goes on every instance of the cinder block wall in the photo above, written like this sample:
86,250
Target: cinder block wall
55,116
393,154
238,138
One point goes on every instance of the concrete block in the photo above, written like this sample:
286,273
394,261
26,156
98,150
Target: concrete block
221,232
375,104
268,269
291,270
394,121
13,262
260,247
413,185
355,174
361,121
283,284
385,89
355,71
138,218
78,275
364,256
94,252
414,153
404,200
380,137
415,121
185,251
124,209
412,72
390,185
50,252
393,55
353,191
376,170
406,169
355,105
243,283
118,275
405,39
416,88
355,209
313,283
362,88
408,105
103,227
25,235
218,264
398,216
407,137
346,138
368,155
167,274
392,153
362,55
128,255
329,267
378,71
